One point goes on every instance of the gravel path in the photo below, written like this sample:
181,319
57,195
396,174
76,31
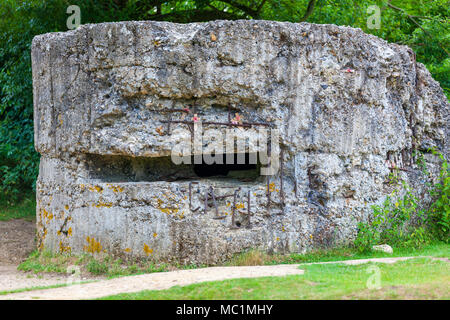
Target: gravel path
154,281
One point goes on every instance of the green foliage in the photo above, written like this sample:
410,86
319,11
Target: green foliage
21,20
104,265
97,267
18,160
398,221
438,214
402,221
23,209
40,262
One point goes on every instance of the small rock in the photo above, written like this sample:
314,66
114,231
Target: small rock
383,248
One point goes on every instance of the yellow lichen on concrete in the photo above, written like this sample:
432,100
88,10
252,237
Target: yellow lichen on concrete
272,187
115,189
63,248
166,210
160,130
47,215
240,206
93,245
147,250
96,189
102,204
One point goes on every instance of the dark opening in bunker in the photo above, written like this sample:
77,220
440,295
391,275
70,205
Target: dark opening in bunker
114,168
237,164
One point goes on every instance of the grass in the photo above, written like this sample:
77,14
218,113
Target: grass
104,265
107,266
24,209
421,278
254,257
2,293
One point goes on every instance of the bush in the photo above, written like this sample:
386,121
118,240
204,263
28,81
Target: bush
438,214
402,221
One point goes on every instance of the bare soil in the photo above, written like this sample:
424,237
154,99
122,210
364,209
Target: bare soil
17,240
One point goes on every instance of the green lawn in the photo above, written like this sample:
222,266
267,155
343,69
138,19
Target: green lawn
421,278
5,292
25,209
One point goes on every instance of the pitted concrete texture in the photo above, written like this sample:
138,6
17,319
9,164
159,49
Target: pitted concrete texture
348,106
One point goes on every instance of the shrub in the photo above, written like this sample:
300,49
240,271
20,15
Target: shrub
438,214
403,221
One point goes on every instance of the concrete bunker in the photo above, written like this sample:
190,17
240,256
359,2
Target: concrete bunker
112,100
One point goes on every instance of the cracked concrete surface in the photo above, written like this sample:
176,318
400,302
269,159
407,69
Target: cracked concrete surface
348,106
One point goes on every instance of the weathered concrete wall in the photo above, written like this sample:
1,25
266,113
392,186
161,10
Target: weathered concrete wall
344,102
